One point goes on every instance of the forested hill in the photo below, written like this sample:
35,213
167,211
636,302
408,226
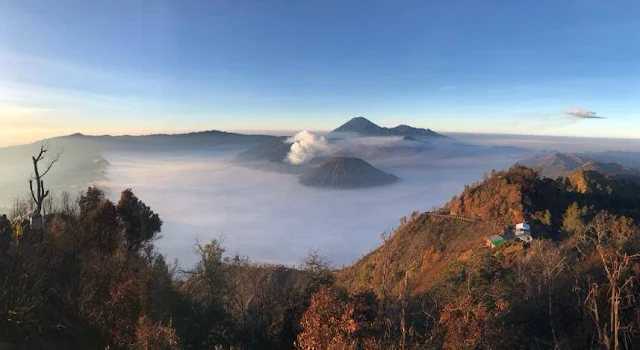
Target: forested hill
92,278
513,196
492,207
540,295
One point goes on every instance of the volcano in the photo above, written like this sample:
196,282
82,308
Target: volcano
346,173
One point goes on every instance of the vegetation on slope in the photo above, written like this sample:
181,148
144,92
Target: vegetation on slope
439,283
563,164
92,279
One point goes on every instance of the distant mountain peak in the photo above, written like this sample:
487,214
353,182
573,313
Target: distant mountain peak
361,119
365,127
361,125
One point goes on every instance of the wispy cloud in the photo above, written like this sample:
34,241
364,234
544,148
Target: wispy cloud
46,88
33,97
573,112
17,66
553,120
579,112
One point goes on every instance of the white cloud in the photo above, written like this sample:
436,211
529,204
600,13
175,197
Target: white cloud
269,216
579,112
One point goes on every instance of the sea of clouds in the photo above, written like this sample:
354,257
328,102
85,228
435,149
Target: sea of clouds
269,216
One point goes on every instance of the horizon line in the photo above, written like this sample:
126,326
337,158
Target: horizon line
291,132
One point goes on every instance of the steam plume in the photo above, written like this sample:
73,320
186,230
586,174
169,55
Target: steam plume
305,146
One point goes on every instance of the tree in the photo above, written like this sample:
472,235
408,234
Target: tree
210,270
90,200
40,193
469,323
546,219
618,291
140,222
327,324
573,219
150,335
320,268
548,263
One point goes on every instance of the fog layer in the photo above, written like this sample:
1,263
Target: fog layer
270,216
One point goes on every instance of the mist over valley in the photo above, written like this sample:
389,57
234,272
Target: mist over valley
250,190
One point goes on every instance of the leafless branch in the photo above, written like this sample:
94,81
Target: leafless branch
51,162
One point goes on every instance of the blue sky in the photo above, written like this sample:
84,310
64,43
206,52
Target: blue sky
170,66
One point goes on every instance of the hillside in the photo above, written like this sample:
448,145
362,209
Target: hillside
82,164
434,239
155,142
605,192
272,150
364,127
79,147
425,244
614,169
94,274
562,164
481,210
517,195
164,142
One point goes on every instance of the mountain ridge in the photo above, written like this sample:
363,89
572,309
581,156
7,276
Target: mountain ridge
365,127
563,164
223,137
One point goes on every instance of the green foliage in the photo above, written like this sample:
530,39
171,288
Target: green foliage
546,219
573,221
140,222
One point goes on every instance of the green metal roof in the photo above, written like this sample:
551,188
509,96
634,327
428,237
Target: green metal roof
497,240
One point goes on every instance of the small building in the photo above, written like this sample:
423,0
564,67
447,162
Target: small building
526,239
495,240
523,229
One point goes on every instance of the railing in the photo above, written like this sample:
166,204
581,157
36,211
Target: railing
450,216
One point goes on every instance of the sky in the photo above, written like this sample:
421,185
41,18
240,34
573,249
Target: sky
137,67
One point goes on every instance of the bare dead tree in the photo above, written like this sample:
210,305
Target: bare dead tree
553,263
386,270
411,265
40,193
67,205
615,264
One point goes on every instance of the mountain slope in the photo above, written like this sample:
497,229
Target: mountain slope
163,142
563,164
346,172
405,130
156,142
613,169
432,240
365,127
519,194
82,163
273,150
427,243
